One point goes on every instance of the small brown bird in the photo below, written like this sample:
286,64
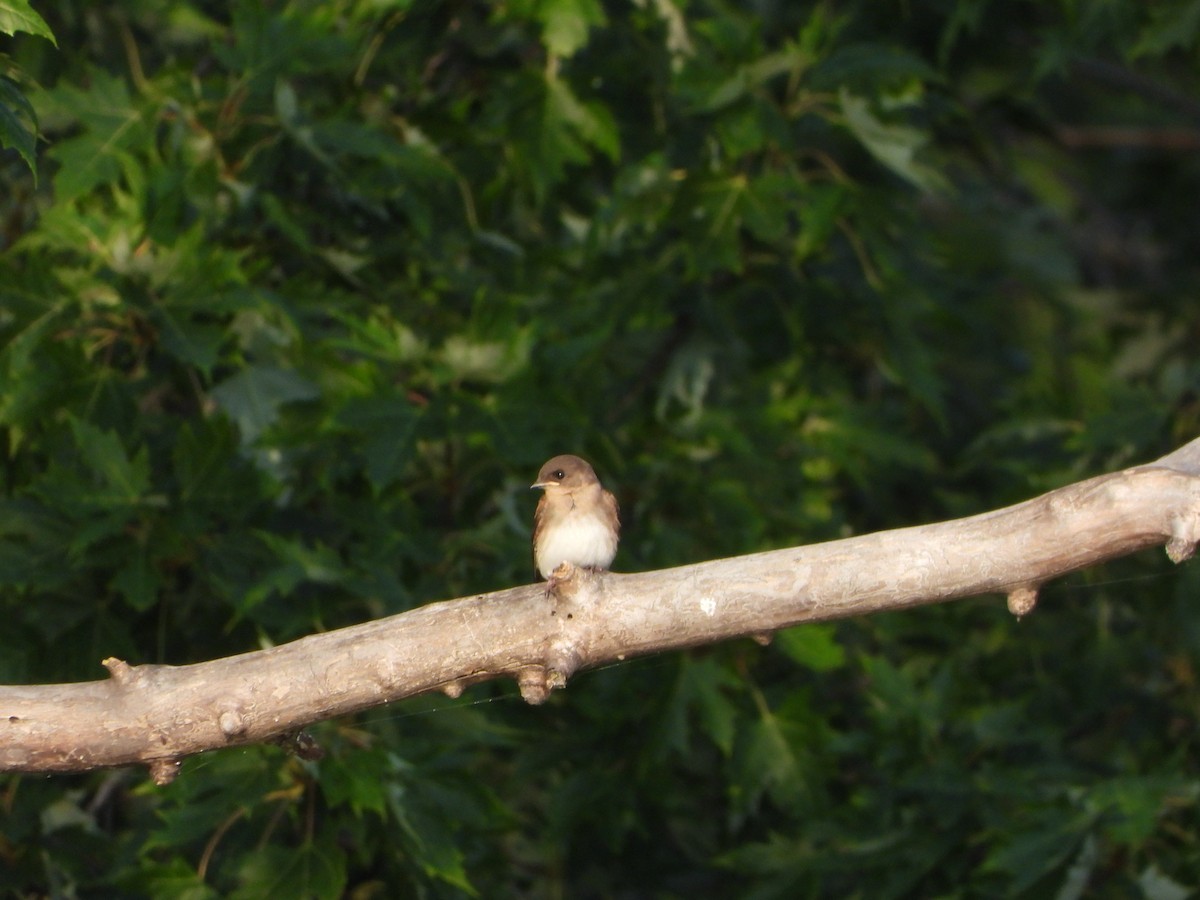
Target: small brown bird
577,520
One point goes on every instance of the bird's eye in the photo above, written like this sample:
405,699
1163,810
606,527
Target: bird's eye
559,474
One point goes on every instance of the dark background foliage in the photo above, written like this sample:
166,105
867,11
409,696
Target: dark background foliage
304,293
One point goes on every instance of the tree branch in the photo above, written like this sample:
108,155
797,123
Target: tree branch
157,715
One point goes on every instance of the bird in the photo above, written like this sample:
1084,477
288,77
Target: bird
577,520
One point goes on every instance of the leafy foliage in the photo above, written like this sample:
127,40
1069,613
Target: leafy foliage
305,293
18,123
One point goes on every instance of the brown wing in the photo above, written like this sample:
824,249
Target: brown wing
610,502
539,522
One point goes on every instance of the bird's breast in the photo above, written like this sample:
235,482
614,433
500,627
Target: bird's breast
583,539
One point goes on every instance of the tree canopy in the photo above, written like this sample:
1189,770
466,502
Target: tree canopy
295,298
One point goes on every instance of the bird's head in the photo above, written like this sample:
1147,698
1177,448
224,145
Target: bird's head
565,473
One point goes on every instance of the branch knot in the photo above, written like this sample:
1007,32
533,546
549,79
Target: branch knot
1022,600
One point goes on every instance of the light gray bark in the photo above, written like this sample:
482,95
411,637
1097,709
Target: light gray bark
157,715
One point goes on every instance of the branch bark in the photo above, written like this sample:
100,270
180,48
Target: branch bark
157,715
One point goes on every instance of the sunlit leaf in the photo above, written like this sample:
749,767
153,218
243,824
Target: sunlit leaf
253,397
19,15
896,146
566,23
813,646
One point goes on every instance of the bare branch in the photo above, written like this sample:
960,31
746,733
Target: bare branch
157,715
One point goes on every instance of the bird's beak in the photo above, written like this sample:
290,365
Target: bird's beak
543,484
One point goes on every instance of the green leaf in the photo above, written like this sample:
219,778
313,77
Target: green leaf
18,122
309,871
819,211
896,146
430,835
27,381
121,478
878,70
253,397
1135,804
591,122
137,580
388,428
1171,26
357,782
552,128
755,75
470,359
31,538
67,813
565,24
1156,885
319,564
712,685
189,341
113,127
174,878
206,463
287,224
18,15
774,755
702,690
1034,852
263,565
813,646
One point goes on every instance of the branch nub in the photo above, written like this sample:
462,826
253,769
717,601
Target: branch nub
1022,600
532,682
1182,543
536,682
232,723
119,670
163,771
563,582
562,662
